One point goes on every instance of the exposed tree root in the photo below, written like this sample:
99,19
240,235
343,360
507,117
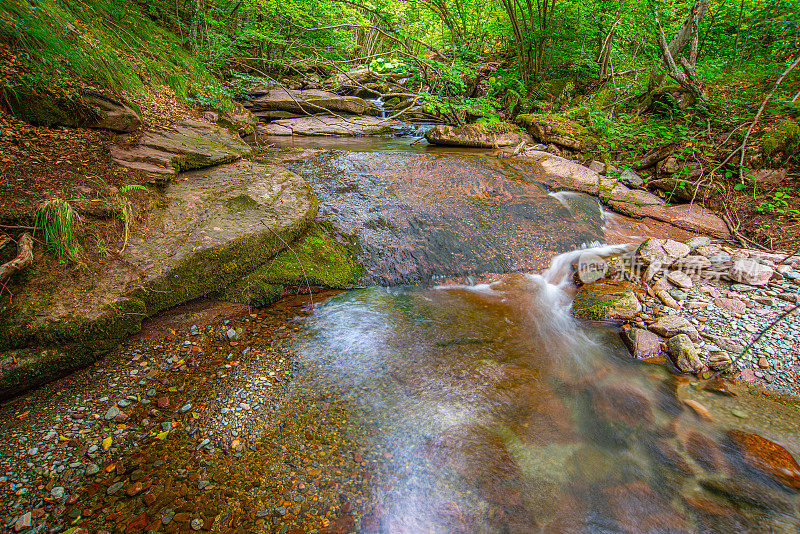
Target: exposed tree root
23,259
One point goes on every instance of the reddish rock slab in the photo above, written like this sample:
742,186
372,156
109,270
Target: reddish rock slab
639,509
138,524
732,305
767,456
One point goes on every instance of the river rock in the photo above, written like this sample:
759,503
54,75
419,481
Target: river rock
631,179
719,361
559,130
163,152
643,345
751,272
698,242
732,305
663,252
310,101
672,325
321,125
609,299
604,168
684,354
622,404
680,279
767,456
476,135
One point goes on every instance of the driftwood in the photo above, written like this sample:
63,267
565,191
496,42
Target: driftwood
23,259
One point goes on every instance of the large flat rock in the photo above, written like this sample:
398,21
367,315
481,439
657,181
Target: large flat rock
307,101
417,216
187,145
215,226
328,125
476,135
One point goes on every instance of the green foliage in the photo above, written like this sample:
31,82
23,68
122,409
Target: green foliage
778,202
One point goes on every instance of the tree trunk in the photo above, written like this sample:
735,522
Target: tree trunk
686,33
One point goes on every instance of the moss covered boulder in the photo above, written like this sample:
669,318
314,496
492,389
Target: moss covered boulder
214,227
781,142
608,299
320,258
476,135
558,130
79,109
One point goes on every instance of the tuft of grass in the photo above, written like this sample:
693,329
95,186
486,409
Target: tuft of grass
58,221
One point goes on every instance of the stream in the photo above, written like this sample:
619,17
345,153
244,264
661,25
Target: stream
447,406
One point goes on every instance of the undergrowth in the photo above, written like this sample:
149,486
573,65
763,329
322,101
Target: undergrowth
58,220
105,42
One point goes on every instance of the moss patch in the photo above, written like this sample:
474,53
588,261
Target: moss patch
782,141
595,301
323,261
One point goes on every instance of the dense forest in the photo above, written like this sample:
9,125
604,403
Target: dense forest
712,81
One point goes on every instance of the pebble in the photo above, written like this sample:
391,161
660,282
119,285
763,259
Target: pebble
111,413
113,488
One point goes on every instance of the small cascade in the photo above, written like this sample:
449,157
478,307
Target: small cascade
563,266
379,103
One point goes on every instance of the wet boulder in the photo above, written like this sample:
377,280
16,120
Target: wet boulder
608,299
644,345
328,125
476,135
767,456
684,354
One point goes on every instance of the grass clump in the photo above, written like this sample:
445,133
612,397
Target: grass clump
58,220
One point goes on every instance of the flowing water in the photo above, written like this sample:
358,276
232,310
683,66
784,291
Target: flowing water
482,408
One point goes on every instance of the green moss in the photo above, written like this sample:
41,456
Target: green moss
594,301
207,271
323,261
782,141
242,203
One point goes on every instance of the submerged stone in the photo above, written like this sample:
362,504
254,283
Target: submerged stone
767,456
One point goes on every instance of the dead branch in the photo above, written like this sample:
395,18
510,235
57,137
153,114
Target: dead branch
4,240
23,259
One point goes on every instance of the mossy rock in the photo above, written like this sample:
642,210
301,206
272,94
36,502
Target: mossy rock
607,299
559,130
24,369
316,259
781,142
476,135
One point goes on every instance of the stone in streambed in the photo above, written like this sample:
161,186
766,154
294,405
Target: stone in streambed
767,456
608,299
638,508
684,354
732,305
663,252
643,345
751,272
672,325
476,135
680,279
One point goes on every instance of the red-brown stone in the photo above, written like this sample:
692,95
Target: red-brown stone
767,456
705,452
622,404
138,524
148,499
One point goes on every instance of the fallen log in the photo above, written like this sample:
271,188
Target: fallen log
23,259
